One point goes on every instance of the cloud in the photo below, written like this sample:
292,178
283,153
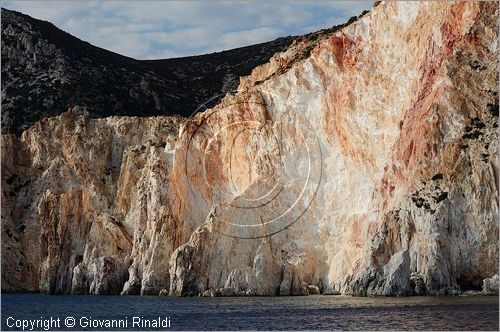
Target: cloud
189,38
159,29
235,39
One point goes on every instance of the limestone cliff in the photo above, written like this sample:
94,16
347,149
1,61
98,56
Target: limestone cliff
362,159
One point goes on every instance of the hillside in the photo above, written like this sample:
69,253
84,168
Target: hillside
46,70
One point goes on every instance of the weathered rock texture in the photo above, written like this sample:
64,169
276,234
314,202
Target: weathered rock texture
362,159
490,285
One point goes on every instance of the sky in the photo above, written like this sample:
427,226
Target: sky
166,29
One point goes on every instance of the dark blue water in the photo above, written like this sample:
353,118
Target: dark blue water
255,313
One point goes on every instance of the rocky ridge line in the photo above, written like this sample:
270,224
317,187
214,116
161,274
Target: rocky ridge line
45,71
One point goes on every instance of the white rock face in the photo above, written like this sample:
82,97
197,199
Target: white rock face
490,285
362,160
397,273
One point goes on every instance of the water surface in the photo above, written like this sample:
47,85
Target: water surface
261,313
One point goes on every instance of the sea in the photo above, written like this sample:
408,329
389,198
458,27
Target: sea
318,312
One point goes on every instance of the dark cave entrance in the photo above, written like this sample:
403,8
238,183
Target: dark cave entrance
466,283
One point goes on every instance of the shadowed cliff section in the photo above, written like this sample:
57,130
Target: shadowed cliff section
46,70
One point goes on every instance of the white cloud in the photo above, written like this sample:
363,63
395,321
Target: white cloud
53,11
146,29
235,39
189,38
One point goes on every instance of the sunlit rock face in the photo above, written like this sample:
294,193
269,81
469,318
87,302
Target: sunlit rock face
361,160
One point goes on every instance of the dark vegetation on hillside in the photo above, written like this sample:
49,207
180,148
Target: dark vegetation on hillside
46,70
